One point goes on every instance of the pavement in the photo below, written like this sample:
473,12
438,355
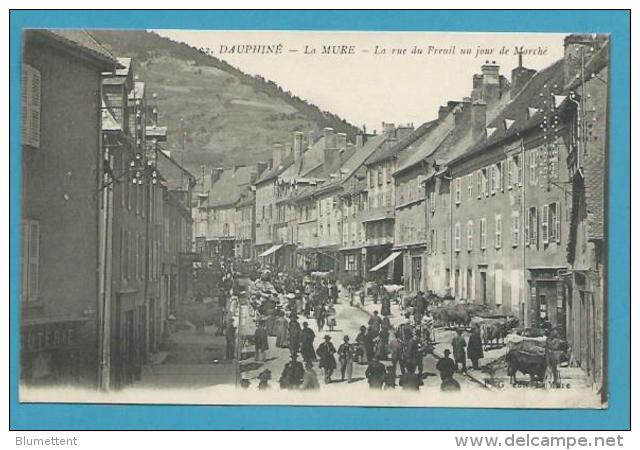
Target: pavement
194,357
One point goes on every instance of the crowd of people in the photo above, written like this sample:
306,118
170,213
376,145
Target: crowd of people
282,306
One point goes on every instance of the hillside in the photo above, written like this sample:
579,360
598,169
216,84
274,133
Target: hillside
229,117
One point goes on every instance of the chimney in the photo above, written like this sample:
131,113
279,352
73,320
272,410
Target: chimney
298,145
216,173
404,130
579,48
478,120
462,116
277,156
329,138
519,77
360,140
442,112
331,151
476,92
341,141
388,129
490,83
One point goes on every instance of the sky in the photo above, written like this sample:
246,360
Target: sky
361,83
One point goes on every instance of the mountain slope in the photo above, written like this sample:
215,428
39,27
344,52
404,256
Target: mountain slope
228,117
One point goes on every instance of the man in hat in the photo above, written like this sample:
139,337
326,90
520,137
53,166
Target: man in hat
459,350
345,356
294,334
292,374
325,352
307,336
261,341
446,366
375,373
474,348
375,322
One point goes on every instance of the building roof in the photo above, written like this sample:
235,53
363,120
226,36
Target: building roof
355,161
535,94
387,152
227,190
436,135
83,41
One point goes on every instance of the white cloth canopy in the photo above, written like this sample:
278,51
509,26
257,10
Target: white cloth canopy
271,250
385,261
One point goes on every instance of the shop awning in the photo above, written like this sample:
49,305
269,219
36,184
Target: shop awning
385,261
271,250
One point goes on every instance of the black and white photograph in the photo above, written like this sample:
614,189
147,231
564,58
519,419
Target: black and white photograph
314,218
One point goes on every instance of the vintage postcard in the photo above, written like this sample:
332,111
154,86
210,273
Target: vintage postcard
314,218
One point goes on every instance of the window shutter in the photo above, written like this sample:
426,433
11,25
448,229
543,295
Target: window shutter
24,262
479,183
31,101
470,235
545,224
501,176
556,223
483,233
34,259
527,222
533,231
498,236
34,126
26,110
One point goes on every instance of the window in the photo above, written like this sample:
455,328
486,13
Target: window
126,255
510,179
554,222
470,235
30,260
501,176
470,186
485,182
137,258
458,187
498,235
456,241
515,228
544,226
479,183
531,228
483,233
31,100
494,179
516,170
370,173
380,175
351,262
533,167
444,241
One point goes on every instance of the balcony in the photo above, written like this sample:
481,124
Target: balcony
380,213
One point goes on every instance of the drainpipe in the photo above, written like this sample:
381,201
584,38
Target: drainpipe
105,261
525,317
